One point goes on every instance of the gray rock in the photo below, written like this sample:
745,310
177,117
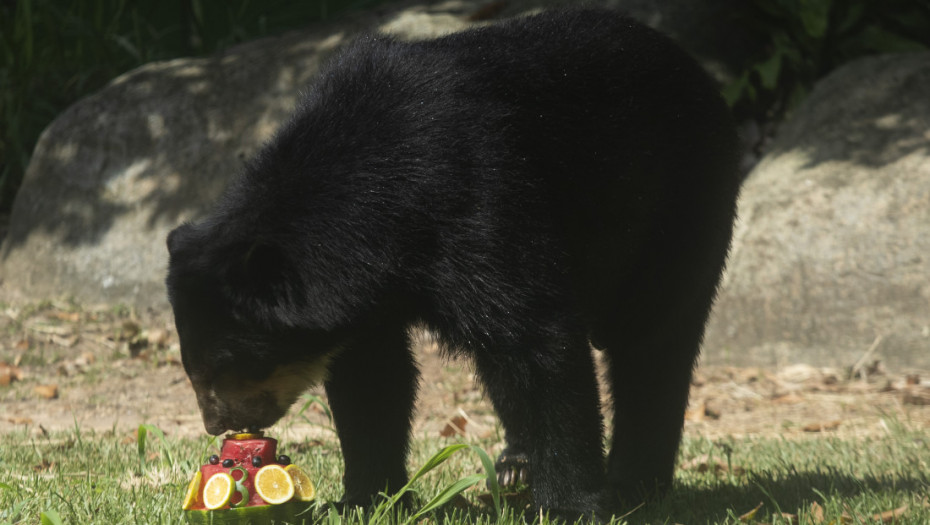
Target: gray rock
119,169
831,255
116,171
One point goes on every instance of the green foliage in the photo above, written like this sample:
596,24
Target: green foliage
53,52
50,517
806,39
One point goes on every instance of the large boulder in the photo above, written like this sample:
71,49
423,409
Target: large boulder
831,255
115,172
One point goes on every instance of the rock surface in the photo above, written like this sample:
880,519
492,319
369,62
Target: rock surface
831,256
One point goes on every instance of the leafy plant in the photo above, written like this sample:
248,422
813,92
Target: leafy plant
53,52
806,39
448,492
142,433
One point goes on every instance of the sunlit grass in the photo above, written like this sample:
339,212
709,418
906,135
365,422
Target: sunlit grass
110,477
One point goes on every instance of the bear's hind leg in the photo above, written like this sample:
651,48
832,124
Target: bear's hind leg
650,376
548,403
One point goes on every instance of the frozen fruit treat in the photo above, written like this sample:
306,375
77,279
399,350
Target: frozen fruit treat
249,483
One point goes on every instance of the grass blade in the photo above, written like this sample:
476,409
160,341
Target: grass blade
50,517
438,459
493,487
446,494
141,433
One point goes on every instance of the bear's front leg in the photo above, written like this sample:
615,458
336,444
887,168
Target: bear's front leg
371,386
548,403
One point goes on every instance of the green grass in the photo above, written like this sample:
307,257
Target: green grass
84,477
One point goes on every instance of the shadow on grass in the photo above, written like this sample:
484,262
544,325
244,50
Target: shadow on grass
727,499
791,493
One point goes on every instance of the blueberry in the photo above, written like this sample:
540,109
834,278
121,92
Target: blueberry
256,461
214,459
228,463
284,460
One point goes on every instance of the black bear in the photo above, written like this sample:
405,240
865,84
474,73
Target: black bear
525,190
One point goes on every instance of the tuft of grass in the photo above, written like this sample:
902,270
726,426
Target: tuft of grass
80,476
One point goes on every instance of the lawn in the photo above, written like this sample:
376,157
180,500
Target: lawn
87,477
796,445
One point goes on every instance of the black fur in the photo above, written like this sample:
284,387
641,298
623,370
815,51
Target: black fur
523,190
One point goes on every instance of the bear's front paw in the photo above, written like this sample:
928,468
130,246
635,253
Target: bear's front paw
512,469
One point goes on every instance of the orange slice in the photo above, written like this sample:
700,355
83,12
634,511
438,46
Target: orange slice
274,484
303,487
193,492
218,491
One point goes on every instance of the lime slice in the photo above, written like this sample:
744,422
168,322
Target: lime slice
303,487
218,490
274,484
193,491
243,500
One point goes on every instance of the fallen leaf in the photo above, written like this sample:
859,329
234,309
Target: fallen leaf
916,398
751,514
696,411
799,373
788,399
16,420
66,342
71,317
9,373
157,337
890,516
822,427
705,463
128,330
702,411
456,425
45,465
47,391
790,518
816,513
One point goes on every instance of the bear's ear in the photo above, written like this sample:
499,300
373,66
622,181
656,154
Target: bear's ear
262,280
178,236
260,270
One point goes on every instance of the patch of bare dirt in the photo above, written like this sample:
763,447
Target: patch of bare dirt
104,369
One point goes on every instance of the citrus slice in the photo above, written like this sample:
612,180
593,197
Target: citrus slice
218,490
303,487
193,491
274,484
237,436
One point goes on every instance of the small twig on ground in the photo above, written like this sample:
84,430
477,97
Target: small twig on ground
860,364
